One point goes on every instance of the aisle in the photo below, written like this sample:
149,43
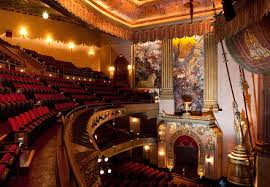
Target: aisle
42,172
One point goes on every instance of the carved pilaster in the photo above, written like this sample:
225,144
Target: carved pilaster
132,71
167,70
210,73
167,97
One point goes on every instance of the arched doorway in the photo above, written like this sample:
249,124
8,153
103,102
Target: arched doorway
121,71
186,156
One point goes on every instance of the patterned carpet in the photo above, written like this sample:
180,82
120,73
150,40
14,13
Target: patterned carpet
42,172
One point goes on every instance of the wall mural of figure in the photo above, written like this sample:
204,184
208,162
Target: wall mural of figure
188,71
147,64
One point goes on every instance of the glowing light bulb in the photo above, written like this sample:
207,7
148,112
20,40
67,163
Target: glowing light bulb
111,68
49,39
109,170
91,52
101,172
71,45
23,32
146,147
129,67
45,15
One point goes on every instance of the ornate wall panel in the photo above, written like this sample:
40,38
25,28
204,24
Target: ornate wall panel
148,59
206,134
188,71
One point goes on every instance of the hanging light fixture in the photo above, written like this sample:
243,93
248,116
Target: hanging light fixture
45,15
191,4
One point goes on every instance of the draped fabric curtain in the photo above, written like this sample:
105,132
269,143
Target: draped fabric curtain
250,12
251,47
174,30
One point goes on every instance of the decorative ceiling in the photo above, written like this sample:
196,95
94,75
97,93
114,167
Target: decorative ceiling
141,13
135,20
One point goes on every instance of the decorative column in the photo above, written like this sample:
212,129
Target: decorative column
131,72
210,73
167,97
263,131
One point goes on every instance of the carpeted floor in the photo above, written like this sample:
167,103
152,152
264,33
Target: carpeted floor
42,171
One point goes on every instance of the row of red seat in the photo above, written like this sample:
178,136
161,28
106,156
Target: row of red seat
84,97
13,72
63,85
33,88
50,97
137,175
31,122
13,101
14,78
73,91
65,106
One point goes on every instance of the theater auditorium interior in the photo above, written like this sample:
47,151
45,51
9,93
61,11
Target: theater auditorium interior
134,93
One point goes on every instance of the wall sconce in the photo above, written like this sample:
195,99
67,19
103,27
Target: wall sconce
22,70
71,45
50,75
209,159
49,39
111,68
201,174
91,51
23,32
129,67
111,71
161,153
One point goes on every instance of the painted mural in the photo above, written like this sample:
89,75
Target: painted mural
188,71
147,64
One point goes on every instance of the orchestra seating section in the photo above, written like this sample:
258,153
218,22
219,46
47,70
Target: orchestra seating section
134,174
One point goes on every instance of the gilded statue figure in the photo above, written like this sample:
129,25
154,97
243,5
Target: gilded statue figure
240,126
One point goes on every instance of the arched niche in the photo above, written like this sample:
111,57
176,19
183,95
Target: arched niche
121,71
196,138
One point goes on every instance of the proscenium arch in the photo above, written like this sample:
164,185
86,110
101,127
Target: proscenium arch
196,138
